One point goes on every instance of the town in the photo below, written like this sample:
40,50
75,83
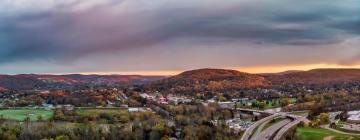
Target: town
268,113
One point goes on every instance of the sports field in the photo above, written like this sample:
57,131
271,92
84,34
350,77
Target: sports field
21,114
272,103
308,133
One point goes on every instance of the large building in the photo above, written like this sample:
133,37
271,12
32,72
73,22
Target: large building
354,116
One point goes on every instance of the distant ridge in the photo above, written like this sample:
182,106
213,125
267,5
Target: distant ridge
282,73
31,81
199,80
316,76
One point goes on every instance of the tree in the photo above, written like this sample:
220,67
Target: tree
284,102
343,116
262,105
315,123
62,137
39,118
324,118
2,118
222,99
165,137
27,120
301,124
8,135
227,114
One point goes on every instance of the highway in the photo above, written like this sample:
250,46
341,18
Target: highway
296,120
249,131
267,133
284,126
258,131
283,130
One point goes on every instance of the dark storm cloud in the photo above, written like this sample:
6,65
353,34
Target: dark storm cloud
63,33
349,25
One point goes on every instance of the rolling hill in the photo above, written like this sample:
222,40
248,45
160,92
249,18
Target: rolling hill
208,80
190,81
222,80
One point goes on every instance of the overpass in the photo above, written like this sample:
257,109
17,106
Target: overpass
279,128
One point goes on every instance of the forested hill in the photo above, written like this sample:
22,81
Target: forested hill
33,81
190,81
203,80
315,77
208,80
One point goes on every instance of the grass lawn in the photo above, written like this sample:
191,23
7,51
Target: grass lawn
272,103
292,100
340,125
300,113
21,114
254,130
308,133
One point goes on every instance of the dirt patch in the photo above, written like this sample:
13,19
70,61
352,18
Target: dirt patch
328,138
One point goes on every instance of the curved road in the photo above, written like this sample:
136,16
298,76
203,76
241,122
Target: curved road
249,131
284,126
337,131
283,130
258,131
267,133
297,120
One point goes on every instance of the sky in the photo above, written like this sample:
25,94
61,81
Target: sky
165,37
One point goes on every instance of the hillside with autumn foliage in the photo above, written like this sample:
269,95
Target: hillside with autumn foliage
209,80
315,77
226,80
33,81
190,81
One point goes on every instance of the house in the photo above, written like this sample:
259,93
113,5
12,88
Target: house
178,99
144,95
241,100
109,103
147,96
124,106
245,101
48,106
68,107
133,109
138,109
226,104
212,100
187,100
161,99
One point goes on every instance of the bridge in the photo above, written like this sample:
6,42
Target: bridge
277,130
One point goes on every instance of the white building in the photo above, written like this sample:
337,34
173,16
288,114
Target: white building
226,104
354,116
178,99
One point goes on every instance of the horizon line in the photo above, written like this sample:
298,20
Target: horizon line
251,70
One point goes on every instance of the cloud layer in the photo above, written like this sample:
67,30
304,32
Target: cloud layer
139,35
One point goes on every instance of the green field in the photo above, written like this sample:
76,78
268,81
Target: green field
21,114
272,103
308,133
99,111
